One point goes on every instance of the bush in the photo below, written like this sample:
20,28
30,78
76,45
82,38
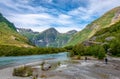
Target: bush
101,53
6,50
94,50
97,51
79,49
115,47
24,71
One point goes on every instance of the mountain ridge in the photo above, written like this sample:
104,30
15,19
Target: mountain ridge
3,19
48,38
9,34
104,21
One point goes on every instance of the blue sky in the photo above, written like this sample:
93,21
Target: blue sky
64,15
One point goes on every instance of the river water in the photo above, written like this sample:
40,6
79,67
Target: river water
14,61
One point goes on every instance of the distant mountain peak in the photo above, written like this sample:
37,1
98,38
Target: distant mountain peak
51,30
24,29
48,38
72,32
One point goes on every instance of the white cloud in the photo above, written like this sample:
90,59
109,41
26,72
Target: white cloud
94,8
42,21
40,18
101,6
66,29
31,19
49,1
21,6
63,16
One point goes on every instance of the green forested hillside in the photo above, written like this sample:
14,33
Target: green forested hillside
11,25
106,20
9,35
105,41
110,38
113,31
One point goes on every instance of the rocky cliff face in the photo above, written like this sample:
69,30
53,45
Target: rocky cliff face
46,38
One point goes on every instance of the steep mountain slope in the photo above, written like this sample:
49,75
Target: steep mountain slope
11,25
63,38
109,38
48,38
9,35
108,34
106,20
27,33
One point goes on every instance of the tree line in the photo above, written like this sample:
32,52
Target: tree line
81,50
6,50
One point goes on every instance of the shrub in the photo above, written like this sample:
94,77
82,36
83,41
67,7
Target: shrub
101,53
79,49
24,71
115,47
94,50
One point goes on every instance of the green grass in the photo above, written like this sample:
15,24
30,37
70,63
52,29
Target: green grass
79,37
113,31
24,71
9,36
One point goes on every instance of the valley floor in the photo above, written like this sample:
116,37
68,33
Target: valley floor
80,69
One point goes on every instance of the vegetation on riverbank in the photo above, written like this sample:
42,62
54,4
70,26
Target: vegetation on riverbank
24,71
6,50
104,41
81,50
110,36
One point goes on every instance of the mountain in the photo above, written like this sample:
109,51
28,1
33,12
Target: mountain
106,35
71,32
27,33
105,21
48,38
9,34
109,38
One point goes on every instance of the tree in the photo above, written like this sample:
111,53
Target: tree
79,49
101,53
115,47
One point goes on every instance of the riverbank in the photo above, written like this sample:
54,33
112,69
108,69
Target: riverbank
77,69
20,60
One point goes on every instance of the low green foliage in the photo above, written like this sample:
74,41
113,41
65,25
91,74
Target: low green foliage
79,49
24,71
112,44
6,50
95,50
115,47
